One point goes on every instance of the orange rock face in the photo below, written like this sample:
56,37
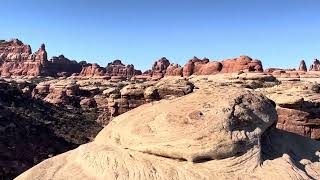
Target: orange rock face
174,70
243,63
197,66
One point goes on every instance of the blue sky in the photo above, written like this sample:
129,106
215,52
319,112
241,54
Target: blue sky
280,33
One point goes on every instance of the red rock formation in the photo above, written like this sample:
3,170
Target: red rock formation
243,63
93,70
160,66
315,66
14,50
61,65
197,66
193,65
208,68
174,70
116,68
41,55
17,60
302,66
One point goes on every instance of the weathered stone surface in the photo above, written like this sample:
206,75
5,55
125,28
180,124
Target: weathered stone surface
170,87
298,107
198,136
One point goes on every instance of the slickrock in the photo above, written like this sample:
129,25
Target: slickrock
241,80
197,136
170,87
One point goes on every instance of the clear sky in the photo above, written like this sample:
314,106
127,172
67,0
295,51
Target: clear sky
279,32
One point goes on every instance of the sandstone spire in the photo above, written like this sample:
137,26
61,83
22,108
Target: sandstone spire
302,66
